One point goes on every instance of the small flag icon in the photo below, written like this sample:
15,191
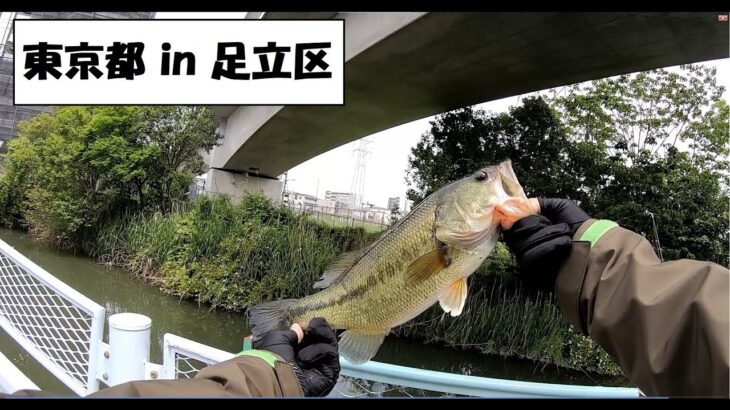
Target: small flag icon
722,17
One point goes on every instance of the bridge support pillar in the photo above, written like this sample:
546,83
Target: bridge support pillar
235,184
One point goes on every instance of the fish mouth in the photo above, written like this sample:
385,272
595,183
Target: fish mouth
508,180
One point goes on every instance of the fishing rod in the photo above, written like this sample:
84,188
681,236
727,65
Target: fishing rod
656,235
654,230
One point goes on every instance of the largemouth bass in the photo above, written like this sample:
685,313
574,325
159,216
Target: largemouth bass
425,257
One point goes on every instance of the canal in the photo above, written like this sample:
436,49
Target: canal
118,291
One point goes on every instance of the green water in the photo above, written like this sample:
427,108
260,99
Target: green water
118,291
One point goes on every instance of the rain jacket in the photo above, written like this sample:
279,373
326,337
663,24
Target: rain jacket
665,324
254,373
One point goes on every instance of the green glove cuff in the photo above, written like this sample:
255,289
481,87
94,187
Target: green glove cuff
596,230
266,356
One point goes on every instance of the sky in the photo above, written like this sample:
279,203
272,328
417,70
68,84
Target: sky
388,160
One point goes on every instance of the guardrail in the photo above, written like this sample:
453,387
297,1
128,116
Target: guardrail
58,326
184,358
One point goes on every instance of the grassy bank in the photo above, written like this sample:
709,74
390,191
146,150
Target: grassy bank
235,256
231,256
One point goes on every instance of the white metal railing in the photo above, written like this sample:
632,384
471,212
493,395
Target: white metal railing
183,358
55,324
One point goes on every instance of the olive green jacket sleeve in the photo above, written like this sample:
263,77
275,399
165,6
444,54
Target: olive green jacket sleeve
665,324
242,376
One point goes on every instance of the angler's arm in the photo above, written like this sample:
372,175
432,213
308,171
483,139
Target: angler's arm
282,363
242,376
262,375
666,324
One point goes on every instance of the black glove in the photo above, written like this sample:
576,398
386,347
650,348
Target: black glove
315,361
540,248
563,211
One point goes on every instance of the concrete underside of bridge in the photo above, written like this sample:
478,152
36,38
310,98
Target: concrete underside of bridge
405,66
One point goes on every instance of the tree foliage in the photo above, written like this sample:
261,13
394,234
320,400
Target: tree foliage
628,147
462,141
77,167
656,143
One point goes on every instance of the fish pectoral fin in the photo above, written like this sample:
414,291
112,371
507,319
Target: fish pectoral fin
338,268
358,346
453,298
427,265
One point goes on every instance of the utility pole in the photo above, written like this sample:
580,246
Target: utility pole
283,191
316,194
286,184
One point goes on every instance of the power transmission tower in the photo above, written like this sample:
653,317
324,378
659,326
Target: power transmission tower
358,177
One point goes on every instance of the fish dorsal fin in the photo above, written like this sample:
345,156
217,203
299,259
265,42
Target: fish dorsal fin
359,346
427,265
453,298
337,269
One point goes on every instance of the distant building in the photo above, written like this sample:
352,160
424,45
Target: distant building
376,214
10,114
197,187
326,206
344,201
394,203
299,200
345,198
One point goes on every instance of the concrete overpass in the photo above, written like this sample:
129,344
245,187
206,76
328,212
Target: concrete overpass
405,66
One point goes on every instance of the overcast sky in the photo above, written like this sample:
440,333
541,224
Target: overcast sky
387,163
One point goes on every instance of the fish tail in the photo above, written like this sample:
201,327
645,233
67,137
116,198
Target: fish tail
265,317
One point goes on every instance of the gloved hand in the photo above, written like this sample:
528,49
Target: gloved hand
315,360
542,242
566,211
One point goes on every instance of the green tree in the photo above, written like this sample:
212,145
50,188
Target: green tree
462,141
77,168
649,112
625,148
655,142
180,133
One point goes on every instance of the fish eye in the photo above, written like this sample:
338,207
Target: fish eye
480,176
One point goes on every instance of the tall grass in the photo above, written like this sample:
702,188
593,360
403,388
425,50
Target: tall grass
502,318
232,256
235,256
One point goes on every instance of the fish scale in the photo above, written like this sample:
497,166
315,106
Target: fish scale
390,257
